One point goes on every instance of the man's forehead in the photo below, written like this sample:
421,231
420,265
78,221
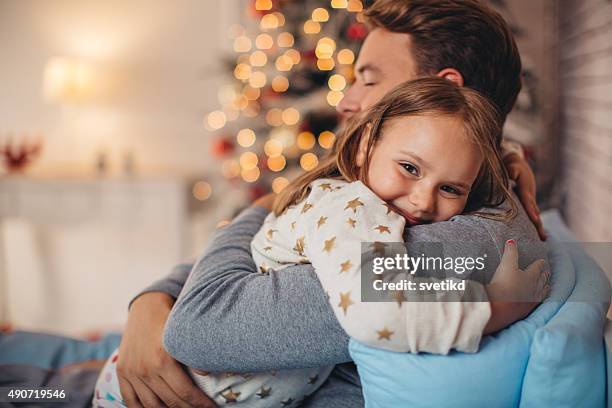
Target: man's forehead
383,50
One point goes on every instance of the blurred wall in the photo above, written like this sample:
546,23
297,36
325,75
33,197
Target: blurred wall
157,67
585,67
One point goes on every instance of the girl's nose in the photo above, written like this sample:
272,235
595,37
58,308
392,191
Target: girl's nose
423,201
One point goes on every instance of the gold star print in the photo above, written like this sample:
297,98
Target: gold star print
287,402
326,186
384,334
293,225
353,204
307,206
329,245
263,269
399,297
230,374
321,221
383,228
230,396
345,266
312,380
345,301
299,246
270,233
264,392
351,222
389,208
379,248
267,248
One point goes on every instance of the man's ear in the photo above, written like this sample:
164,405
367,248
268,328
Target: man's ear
452,75
363,146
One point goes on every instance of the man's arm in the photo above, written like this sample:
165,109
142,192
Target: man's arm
230,317
171,285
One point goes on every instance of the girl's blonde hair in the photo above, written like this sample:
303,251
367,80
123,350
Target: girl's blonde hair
425,96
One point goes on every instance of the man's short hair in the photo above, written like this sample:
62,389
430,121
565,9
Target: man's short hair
462,34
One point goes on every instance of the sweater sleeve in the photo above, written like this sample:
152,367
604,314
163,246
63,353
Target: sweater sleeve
231,318
171,284
336,219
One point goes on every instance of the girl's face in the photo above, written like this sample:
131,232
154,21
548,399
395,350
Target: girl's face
423,166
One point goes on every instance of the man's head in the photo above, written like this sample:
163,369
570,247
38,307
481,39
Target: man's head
461,40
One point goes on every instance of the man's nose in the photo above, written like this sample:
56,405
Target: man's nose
349,105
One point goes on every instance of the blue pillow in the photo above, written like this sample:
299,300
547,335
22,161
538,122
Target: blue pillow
494,376
567,367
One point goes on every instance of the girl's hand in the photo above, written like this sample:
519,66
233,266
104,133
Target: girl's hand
519,171
148,376
514,293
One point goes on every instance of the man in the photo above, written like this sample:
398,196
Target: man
460,40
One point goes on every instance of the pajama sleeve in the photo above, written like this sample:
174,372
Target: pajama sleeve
334,220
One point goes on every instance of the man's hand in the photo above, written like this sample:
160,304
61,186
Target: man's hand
148,376
514,293
265,201
519,171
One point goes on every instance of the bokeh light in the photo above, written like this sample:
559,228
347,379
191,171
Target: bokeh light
283,63
277,163
248,160
274,117
325,64
280,84
242,44
320,15
334,97
346,56
294,55
279,184
242,71
264,41
312,27
269,22
339,4
202,191
280,17
258,79
336,82
291,116
262,5
230,168
306,140
251,93
354,6
246,137
285,40
326,139
309,161
273,147
258,59
250,175
216,119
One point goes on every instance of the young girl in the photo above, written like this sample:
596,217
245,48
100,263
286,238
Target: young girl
426,152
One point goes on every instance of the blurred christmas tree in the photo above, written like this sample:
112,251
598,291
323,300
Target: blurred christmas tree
292,62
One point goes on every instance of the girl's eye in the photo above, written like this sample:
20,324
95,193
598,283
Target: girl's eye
410,168
369,84
451,190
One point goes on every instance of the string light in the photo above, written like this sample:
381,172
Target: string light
242,44
291,116
277,163
306,140
250,175
269,22
320,15
354,6
258,79
246,137
201,191
325,64
339,4
285,40
273,147
294,55
230,168
346,56
248,160
280,84
274,117
262,5
216,119
279,184
336,82
264,41
312,27
242,71
326,139
258,59
309,161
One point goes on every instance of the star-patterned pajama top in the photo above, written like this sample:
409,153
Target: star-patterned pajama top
327,229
